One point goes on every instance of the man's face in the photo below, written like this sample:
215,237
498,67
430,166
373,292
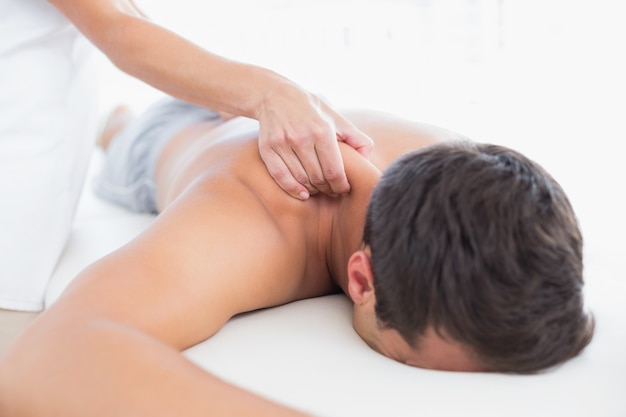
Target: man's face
433,352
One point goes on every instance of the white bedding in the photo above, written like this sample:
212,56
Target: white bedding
306,354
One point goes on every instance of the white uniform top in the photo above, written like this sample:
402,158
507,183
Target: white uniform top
48,121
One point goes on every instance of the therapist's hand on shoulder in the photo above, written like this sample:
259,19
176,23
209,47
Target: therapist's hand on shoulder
298,141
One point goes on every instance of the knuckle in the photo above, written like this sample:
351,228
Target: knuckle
281,174
316,132
292,189
302,179
271,141
321,131
300,139
277,142
317,182
332,174
266,147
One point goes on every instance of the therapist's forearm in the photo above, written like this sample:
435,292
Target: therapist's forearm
106,369
184,70
171,63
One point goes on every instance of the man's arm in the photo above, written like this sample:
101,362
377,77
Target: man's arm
299,133
111,344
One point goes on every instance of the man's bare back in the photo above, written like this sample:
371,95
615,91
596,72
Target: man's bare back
220,161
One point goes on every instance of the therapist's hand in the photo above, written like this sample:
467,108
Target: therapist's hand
298,141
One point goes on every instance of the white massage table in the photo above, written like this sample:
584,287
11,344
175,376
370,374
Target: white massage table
307,355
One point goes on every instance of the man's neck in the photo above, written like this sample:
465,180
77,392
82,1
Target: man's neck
348,214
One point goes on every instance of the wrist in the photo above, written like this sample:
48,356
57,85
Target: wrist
280,93
270,88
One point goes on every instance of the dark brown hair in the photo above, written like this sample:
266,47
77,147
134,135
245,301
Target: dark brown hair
482,244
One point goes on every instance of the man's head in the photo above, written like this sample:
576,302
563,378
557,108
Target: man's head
475,260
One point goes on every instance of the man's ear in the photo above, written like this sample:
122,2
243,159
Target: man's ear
360,278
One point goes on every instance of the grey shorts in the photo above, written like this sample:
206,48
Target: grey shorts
128,177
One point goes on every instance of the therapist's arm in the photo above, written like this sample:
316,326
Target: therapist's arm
299,133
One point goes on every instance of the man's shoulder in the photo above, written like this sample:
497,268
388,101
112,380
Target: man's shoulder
394,135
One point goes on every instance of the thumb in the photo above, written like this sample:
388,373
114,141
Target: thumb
357,140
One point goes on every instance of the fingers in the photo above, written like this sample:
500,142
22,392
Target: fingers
350,135
304,165
327,162
317,154
283,176
298,141
357,140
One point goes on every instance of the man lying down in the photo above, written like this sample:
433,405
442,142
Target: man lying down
460,257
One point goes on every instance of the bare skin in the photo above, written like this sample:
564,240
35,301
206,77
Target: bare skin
228,240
